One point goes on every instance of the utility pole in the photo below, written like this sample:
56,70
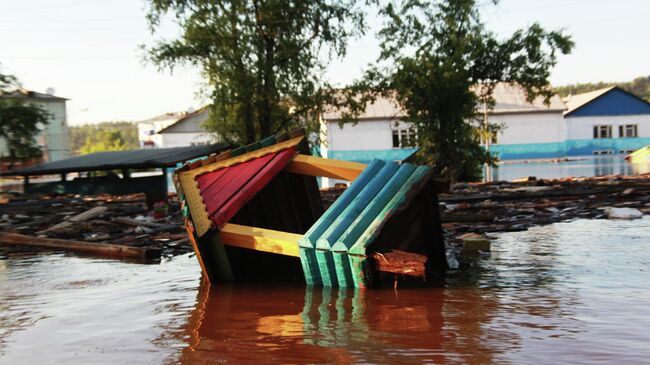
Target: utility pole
488,171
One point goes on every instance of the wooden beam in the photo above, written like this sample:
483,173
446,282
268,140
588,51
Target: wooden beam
93,248
318,166
267,240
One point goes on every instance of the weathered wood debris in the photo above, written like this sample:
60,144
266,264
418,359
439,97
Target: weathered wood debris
94,219
466,208
502,206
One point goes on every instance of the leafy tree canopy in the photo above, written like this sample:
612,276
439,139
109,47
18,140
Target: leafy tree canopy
263,59
442,63
106,136
20,123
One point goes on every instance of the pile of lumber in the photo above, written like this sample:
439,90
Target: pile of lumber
110,225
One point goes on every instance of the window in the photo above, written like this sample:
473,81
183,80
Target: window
602,131
627,131
404,137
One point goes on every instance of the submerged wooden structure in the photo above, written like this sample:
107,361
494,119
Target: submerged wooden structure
254,213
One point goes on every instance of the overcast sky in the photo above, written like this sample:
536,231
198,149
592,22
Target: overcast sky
88,51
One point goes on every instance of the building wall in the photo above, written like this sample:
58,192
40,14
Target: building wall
579,140
529,135
53,138
364,141
148,132
184,139
580,134
55,134
529,127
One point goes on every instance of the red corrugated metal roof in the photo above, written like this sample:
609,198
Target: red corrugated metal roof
227,190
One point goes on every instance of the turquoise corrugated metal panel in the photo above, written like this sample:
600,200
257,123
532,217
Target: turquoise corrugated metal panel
369,213
370,201
308,243
345,219
357,253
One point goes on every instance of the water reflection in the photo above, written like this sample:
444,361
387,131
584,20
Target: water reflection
325,325
579,166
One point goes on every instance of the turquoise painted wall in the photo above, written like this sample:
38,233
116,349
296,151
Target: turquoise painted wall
575,147
365,156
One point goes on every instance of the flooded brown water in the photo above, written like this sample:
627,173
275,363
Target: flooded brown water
574,293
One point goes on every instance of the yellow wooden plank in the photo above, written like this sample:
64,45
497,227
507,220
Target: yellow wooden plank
195,246
317,166
195,202
267,240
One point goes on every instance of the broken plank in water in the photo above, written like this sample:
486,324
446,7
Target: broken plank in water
401,262
99,249
72,221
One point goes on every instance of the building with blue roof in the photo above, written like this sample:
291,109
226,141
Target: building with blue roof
606,121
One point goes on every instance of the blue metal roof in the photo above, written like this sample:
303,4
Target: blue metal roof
615,101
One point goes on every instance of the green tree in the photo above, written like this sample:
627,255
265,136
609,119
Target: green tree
443,64
20,123
104,140
97,137
263,59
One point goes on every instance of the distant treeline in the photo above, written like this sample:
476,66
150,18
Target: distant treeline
639,86
106,136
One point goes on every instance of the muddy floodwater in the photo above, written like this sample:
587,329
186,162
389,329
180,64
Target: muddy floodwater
577,166
575,292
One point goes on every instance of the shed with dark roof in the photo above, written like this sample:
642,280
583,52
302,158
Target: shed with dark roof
125,161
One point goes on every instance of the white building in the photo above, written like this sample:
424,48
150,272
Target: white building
606,121
379,133
528,129
53,138
148,129
187,131
178,129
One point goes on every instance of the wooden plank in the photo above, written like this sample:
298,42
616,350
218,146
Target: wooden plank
190,234
267,240
72,221
94,248
401,262
318,166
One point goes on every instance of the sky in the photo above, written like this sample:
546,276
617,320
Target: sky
90,51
